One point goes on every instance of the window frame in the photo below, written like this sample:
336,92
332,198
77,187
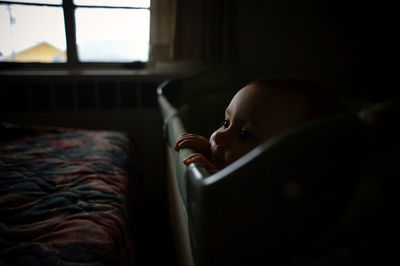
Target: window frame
73,62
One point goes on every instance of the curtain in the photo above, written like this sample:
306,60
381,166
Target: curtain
205,31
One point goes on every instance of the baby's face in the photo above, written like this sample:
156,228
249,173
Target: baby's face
254,115
242,129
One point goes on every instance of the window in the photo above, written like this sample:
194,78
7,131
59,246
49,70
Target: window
74,31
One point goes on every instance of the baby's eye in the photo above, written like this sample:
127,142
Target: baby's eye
244,134
225,124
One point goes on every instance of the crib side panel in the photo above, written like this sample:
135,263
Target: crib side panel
293,191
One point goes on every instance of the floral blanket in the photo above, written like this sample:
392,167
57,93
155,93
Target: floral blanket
65,197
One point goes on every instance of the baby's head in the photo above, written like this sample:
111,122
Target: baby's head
263,109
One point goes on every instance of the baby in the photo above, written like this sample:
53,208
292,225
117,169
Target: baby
259,111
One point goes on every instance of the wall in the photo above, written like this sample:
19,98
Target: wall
339,43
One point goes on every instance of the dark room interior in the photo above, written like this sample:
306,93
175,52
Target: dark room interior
345,46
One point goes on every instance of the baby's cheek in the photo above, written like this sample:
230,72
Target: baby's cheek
233,155
241,151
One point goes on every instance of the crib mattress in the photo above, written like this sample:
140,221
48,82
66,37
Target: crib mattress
65,197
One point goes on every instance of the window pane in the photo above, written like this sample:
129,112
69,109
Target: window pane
32,34
121,3
55,2
112,35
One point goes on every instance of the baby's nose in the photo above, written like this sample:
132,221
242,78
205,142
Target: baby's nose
219,137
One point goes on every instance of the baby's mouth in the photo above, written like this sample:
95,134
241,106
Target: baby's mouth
218,156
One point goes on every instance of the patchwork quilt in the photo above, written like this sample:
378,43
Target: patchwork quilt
65,197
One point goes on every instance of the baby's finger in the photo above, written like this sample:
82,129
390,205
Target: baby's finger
178,142
200,158
180,139
194,158
186,141
197,158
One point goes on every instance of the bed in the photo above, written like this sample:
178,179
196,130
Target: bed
66,196
244,214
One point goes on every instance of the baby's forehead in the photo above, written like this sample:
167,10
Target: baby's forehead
265,89
263,96
255,101
249,102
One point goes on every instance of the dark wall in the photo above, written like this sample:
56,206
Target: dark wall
345,45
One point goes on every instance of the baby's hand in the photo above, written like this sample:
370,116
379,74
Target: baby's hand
200,158
192,141
202,147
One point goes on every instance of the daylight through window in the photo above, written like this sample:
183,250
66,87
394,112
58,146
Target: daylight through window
105,31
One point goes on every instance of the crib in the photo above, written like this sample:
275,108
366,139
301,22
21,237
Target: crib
246,213
66,196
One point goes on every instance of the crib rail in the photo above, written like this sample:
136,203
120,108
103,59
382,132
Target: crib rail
173,129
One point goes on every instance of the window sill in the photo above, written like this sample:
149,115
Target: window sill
86,72
174,68
161,69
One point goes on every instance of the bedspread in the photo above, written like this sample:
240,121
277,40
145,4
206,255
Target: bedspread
65,197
